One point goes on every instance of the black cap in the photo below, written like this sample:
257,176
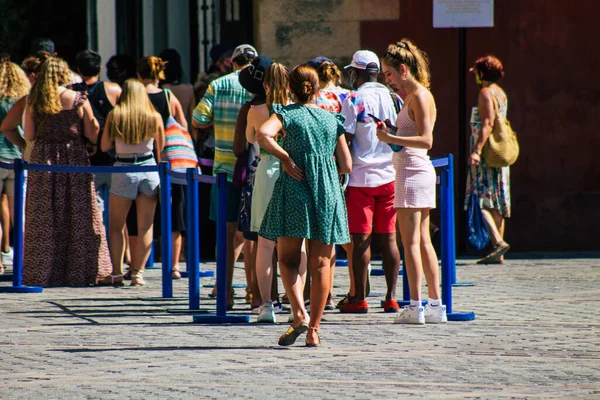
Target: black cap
253,76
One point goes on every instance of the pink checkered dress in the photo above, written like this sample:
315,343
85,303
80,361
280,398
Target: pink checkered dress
415,175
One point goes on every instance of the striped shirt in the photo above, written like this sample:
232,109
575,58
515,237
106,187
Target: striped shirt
220,105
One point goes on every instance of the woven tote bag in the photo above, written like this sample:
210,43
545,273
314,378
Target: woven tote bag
502,147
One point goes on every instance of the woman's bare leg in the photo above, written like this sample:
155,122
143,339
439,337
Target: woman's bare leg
410,230
146,207
264,267
289,252
320,264
119,208
429,258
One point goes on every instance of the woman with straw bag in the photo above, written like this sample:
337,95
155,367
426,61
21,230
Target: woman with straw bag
489,161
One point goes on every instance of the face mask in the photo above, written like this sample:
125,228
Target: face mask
478,80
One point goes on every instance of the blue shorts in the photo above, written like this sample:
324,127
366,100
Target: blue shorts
131,184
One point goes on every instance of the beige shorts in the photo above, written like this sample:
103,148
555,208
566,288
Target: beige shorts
7,182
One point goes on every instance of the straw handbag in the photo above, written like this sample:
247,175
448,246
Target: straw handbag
502,147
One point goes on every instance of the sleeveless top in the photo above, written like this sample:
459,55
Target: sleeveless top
408,128
144,147
101,106
159,101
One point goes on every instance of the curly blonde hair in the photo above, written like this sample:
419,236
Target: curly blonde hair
13,81
44,98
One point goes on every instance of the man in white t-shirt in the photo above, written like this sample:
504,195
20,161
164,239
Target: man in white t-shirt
370,193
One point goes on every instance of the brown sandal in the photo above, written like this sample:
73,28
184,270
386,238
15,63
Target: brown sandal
316,344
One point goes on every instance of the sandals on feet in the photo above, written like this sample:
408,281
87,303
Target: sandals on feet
176,274
112,280
315,344
495,257
137,277
290,336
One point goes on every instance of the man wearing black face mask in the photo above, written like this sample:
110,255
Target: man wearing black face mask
370,193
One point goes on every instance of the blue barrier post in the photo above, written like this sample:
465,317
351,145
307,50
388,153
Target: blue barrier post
192,233
166,230
451,206
448,242
17,286
221,316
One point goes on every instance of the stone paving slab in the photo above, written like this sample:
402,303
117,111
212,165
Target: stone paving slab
536,336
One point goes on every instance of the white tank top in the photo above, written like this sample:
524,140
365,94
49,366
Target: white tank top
141,148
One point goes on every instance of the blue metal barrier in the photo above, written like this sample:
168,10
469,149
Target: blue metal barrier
221,316
19,167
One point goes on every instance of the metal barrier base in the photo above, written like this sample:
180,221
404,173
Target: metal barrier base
203,274
21,289
341,263
234,286
404,303
221,319
381,272
460,284
461,316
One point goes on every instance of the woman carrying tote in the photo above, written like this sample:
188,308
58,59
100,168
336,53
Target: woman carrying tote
490,185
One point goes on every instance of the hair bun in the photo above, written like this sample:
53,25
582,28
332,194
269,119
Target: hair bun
308,88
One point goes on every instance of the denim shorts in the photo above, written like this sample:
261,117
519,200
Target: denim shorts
131,184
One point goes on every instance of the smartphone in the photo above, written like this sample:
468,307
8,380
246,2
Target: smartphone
395,148
389,125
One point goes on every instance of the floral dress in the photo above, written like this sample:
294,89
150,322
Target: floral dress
490,185
314,208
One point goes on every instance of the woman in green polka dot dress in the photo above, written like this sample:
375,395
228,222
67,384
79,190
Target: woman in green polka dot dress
307,201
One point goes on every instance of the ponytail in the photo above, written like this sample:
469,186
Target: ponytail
151,68
277,82
416,60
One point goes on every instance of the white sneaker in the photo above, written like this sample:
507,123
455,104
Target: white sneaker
266,314
410,315
435,315
256,310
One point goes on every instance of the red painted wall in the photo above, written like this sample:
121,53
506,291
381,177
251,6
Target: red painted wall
550,56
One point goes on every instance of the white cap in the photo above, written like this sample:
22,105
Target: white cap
244,49
362,58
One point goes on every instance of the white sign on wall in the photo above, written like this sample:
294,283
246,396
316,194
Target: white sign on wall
463,13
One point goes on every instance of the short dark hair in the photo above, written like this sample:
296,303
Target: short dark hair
490,68
42,44
173,70
88,62
120,67
244,59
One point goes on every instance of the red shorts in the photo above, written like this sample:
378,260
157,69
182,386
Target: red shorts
371,209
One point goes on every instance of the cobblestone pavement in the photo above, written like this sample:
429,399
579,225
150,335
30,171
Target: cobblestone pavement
536,335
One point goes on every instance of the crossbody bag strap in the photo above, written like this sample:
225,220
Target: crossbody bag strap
168,97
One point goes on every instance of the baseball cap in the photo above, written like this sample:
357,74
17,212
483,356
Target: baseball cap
317,62
362,58
252,77
244,49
